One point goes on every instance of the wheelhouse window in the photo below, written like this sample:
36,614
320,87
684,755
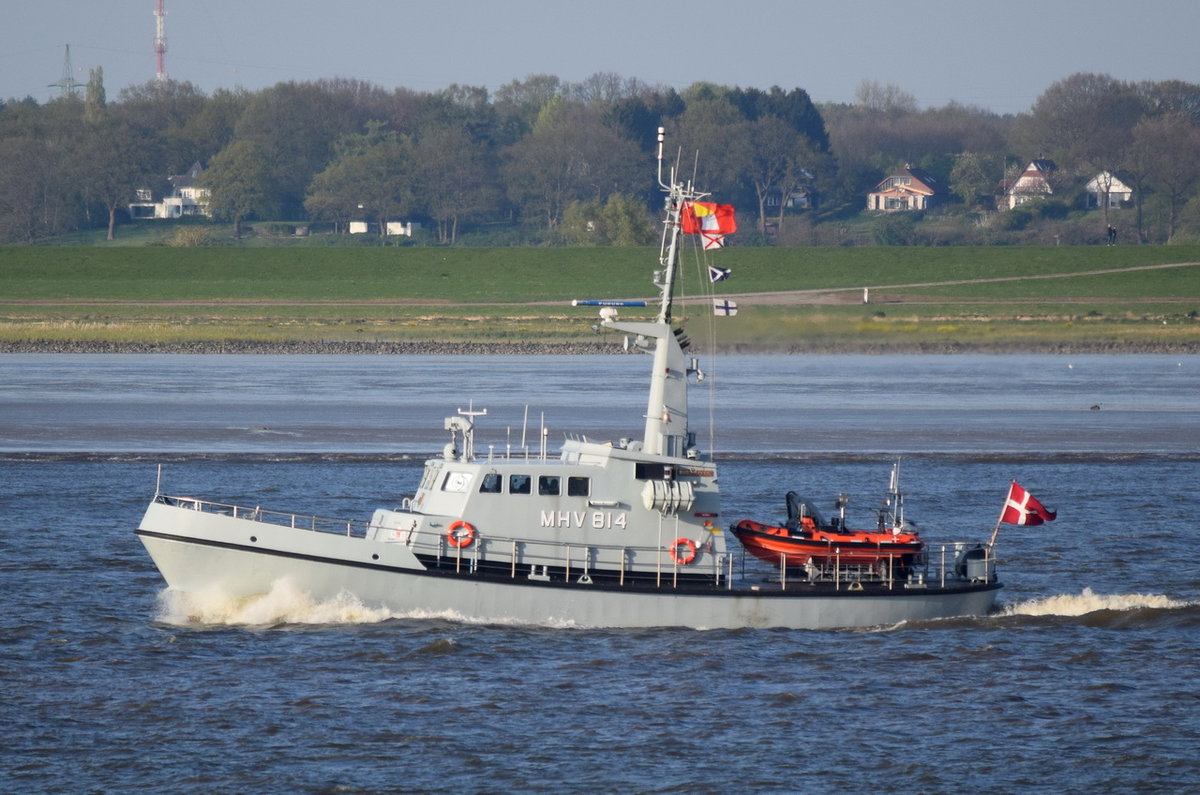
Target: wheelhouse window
457,481
519,484
579,487
549,485
430,476
492,483
654,472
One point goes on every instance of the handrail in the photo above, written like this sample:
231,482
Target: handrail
320,524
353,528
941,571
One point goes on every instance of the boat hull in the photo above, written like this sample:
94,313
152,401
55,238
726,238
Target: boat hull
199,552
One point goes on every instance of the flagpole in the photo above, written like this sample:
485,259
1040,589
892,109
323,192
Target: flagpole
1000,519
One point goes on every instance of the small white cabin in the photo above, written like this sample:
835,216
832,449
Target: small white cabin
403,228
1107,183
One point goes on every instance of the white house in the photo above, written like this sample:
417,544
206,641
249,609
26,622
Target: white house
404,228
905,189
1033,183
798,199
1107,183
185,198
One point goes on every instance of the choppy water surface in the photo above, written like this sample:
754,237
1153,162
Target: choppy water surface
1086,680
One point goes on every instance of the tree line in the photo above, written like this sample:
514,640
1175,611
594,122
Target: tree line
548,161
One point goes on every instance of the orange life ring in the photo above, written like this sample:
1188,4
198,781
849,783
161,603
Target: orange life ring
460,534
689,553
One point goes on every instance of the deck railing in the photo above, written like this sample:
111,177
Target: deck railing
943,563
545,560
319,524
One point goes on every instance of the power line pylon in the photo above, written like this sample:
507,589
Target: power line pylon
67,83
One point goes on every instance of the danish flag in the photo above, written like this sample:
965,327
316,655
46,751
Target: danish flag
1022,508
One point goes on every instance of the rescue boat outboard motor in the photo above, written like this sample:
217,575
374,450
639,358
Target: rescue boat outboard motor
798,507
793,510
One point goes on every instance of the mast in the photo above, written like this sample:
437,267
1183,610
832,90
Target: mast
666,431
891,513
669,256
160,41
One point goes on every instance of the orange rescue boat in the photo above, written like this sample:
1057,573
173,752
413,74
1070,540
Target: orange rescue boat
806,540
828,546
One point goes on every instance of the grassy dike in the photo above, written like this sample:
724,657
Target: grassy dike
798,299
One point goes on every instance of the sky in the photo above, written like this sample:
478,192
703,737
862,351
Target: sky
999,55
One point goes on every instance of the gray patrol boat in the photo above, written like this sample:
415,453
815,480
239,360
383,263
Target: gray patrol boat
608,534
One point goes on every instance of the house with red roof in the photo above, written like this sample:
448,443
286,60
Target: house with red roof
1035,182
903,190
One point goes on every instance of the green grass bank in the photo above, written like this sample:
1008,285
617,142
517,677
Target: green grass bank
976,298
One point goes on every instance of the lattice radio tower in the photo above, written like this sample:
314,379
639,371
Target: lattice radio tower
160,40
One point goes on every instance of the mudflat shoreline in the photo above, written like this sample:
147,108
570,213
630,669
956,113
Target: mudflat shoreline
363,347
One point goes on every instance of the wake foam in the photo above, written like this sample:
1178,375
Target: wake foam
1088,601
283,604
287,604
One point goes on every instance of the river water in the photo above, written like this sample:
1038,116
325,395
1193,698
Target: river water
1086,679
